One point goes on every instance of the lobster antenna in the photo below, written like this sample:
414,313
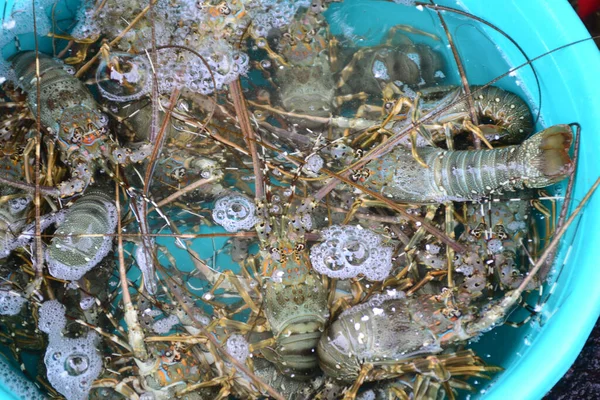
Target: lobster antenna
39,253
567,200
463,76
548,251
437,7
392,141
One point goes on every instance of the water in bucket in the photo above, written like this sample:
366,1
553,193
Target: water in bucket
248,271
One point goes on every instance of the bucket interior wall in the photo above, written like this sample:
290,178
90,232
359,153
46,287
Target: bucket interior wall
537,354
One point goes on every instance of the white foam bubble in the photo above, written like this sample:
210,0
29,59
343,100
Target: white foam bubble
238,347
349,251
87,302
9,24
52,318
72,365
87,24
131,82
495,245
235,212
11,302
163,326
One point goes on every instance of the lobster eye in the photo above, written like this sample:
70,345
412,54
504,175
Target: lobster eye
178,173
77,135
388,106
103,119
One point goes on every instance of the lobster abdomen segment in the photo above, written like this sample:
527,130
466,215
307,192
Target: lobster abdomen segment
465,175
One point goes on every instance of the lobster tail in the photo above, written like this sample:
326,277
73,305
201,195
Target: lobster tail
545,156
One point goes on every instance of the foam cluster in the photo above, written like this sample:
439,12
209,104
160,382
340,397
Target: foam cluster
70,257
367,395
314,163
124,77
235,212
340,151
238,347
348,251
164,326
16,383
219,66
278,14
87,25
19,204
208,32
52,318
72,365
11,302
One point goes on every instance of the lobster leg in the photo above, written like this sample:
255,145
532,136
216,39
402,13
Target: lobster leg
362,376
81,54
392,34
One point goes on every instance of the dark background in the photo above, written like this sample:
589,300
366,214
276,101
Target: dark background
582,380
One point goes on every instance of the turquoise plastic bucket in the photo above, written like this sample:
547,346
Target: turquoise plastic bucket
536,355
570,88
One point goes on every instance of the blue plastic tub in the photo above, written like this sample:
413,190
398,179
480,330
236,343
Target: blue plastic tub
536,355
569,84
